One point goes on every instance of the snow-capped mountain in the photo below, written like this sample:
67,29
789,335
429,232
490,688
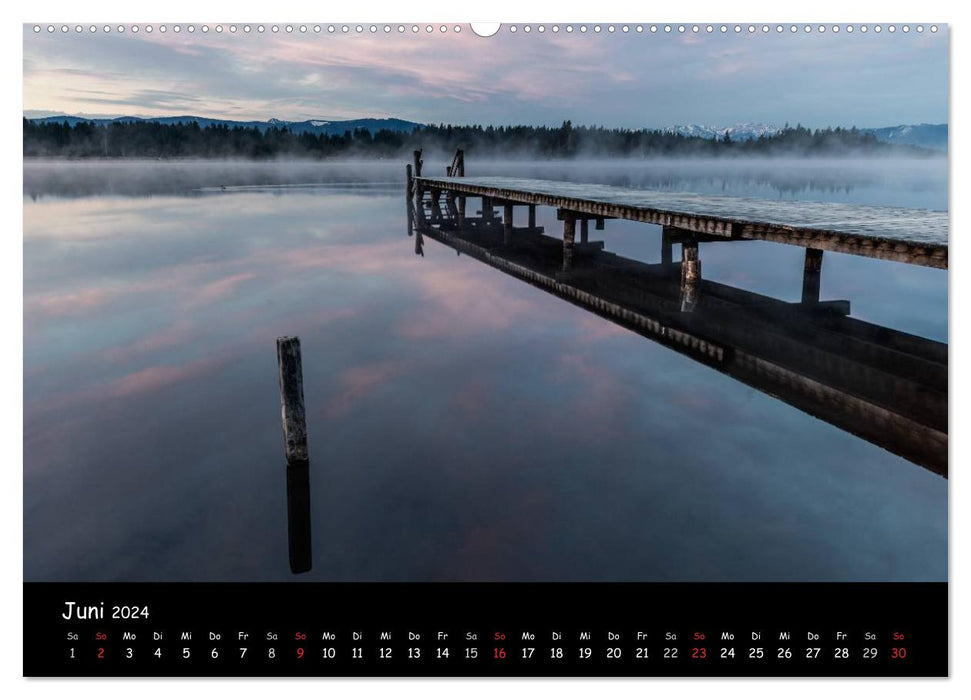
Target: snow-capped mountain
925,135
738,132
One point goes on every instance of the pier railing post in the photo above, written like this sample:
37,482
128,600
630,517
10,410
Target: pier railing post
811,275
295,448
417,162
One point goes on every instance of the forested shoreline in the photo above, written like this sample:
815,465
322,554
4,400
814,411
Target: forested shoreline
146,139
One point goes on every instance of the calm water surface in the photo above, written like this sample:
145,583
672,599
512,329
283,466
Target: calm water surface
463,425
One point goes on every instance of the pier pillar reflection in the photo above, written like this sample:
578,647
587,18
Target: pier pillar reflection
569,234
690,275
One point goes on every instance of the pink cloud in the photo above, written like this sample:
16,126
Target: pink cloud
158,377
455,302
220,289
76,303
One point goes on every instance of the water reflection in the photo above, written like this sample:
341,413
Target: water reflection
463,425
886,386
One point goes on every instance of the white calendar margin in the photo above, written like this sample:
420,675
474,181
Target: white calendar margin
708,11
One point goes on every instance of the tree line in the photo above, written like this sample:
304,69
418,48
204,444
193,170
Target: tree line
145,139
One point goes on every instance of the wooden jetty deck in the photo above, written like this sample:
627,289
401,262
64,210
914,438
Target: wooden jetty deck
885,386
915,236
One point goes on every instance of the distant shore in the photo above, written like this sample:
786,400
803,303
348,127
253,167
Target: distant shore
150,140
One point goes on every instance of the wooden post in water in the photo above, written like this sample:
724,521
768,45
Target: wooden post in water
584,230
569,234
532,217
690,274
600,224
507,224
811,274
295,449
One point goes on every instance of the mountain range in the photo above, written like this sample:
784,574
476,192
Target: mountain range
932,136
926,135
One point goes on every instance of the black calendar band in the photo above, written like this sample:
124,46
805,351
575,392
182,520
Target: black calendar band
485,629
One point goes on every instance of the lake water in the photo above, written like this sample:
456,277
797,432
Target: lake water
463,425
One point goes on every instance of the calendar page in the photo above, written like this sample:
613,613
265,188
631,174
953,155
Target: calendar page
449,349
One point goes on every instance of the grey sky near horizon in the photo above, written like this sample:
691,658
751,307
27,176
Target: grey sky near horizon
617,80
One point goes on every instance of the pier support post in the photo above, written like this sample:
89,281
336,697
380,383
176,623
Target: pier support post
667,252
584,230
532,216
295,448
487,212
416,191
811,274
461,212
569,234
507,224
690,275
409,200
600,224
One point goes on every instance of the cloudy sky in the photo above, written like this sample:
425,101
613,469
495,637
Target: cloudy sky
632,80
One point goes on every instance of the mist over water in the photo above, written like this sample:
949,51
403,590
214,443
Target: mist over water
463,425
906,182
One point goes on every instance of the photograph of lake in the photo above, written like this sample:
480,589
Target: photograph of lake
571,306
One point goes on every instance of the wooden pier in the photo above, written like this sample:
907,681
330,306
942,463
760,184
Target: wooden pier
885,386
914,236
